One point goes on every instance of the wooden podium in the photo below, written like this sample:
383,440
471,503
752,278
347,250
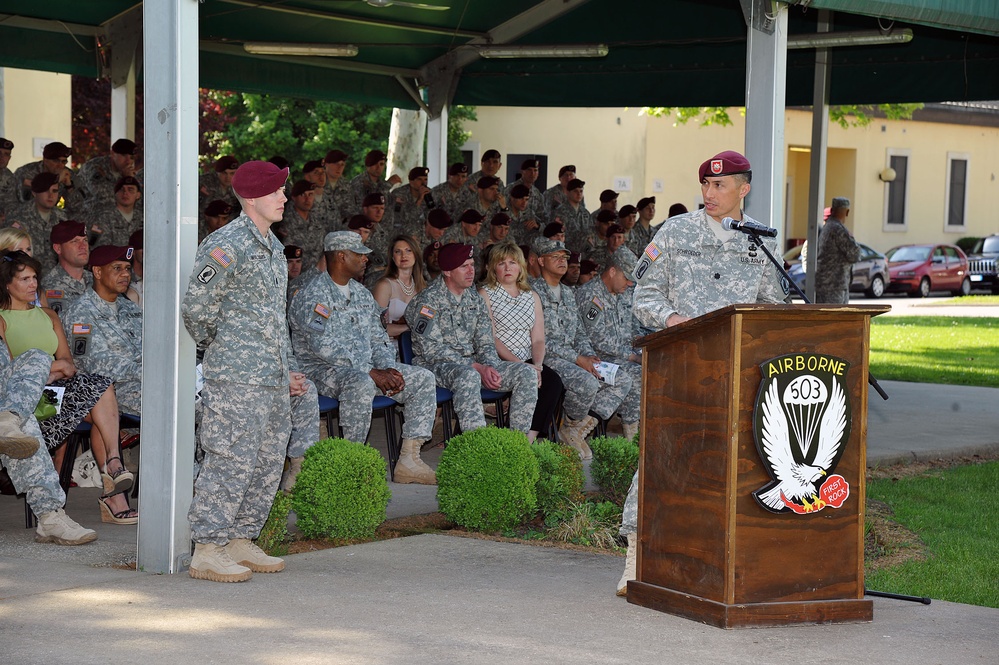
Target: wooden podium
708,550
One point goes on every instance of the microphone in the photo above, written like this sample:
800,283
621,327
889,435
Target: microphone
730,224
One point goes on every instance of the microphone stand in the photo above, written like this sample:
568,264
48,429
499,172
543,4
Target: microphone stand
780,268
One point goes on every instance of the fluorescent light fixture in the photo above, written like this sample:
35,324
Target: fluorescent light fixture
531,51
324,50
857,38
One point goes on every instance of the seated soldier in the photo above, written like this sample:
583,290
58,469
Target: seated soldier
114,222
343,348
452,336
217,214
68,280
570,353
433,230
38,215
605,310
430,260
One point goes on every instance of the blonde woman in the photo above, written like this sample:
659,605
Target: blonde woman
519,325
18,240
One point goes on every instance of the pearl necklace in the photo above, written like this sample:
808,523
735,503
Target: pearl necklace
408,290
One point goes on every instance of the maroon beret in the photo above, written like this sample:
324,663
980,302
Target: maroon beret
586,266
418,172
626,210
724,163
374,157
334,156
43,182
457,168
500,219
529,164
301,187
519,192
552,229
6,144
439,219
56,150
105,254
123,147
676,209
453,255
614,228
472,216
487,181
127,180
373,199
292,252
575,183
218,208
67,230
566,169
225,163
279,161
257,179
430,249
606,216
644,202
573,258
360,222
135,240
490,154
312,165
525,250
607,195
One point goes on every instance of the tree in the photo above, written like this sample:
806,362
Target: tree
852,115
91,113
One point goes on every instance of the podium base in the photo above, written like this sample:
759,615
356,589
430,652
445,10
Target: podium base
749,615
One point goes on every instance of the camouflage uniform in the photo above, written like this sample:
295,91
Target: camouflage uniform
554,197
235,305
26,218
8,192
72,196
518,225
21,384
449,334
408,214
381,235
339,203
453,203
639,238
61,289
473,181
306,233
115,229
838,251
338,341
210,189
577,225
565,340
106,338
535,198
595,249
361,186
688,270
609,324
97,178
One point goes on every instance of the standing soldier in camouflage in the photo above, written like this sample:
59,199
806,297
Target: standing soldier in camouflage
489,201
8,186
838,251
38,216
452,195
338,197
574,217
608,201
626,217
300,225
99,176
530,169
344,349
217,184
491,162
113,223
570,353
371,180
642,231
693,266
379,236
452,337
525,221
409,209
557,194
69,279
605,310
235,305
314,172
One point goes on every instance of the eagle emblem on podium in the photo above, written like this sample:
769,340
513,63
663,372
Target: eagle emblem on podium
801,423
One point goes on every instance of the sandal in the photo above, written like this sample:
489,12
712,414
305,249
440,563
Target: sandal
127,516
120,481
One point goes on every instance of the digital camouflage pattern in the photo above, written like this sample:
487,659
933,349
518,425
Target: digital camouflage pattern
453,203
838,251
97,178
210,189
577,224
61,289
409,214
8,192
72,197
114,228
26,218
305,233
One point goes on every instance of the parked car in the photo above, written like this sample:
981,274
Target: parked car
870,273
920,269
983,264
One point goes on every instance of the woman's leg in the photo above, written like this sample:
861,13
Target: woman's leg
104,442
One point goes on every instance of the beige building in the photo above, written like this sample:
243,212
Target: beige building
35,109
945,164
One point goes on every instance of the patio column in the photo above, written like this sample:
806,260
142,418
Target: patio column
437,148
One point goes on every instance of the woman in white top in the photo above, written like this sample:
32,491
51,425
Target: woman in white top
403,279
519,325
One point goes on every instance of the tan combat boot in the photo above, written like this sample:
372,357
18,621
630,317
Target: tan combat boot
571,433
246,553
410,468
291,473
630,430
57,527
629,565
212,562
14,443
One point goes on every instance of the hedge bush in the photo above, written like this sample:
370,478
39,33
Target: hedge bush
487,479
342,490
560,477
274,535
615,460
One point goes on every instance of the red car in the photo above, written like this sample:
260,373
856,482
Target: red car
920,269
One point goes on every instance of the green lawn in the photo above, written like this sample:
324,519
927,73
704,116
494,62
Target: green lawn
936,349
953,511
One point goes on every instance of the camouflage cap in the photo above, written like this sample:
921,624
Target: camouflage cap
544,246
624,260
336,241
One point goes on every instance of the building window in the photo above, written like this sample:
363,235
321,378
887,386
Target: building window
896,192
957,192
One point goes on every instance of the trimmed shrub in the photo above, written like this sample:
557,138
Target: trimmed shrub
273,537
342,491
560,477
615,460
487,479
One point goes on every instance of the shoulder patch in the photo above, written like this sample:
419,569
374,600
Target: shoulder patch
53,293
425,321
206,274
428,312
642,267
79,346
81,328
596,301
220,257
652,251
322,310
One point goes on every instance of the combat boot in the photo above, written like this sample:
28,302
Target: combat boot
574,433
410,468
630,430
291,473
629,565
14,443
212,562
57,527
246,553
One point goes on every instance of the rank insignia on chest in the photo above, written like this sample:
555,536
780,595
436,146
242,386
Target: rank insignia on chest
322,310
81,328
652,251
221,257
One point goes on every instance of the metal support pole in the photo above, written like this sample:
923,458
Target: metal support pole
123,107
170,193
766,69
437,148
820,141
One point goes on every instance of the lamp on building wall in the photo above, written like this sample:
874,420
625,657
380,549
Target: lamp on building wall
887,174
